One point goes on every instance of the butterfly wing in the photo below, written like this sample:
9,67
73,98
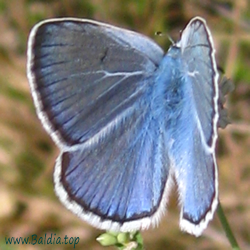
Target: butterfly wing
196,132
116,182
76,68
91,84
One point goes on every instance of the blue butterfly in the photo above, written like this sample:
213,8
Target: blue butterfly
128,121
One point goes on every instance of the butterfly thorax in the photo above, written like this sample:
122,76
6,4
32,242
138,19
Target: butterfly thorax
168,92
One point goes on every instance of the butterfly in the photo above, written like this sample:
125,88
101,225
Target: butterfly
129,121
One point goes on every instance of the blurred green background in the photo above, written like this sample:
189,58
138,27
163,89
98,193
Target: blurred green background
28,204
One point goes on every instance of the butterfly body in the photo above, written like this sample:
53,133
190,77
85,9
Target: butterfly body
128,120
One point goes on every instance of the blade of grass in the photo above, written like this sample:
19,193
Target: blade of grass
227,228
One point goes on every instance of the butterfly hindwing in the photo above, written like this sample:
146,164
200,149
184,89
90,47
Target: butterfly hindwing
117,182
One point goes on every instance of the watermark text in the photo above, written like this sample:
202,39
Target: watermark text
48,239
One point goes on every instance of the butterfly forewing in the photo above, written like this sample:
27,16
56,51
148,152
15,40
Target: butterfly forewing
85,75
198,55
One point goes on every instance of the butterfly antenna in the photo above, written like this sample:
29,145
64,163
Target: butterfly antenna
170,39
159,33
